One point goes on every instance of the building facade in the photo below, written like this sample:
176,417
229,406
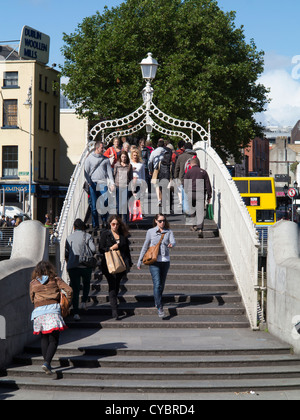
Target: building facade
38,125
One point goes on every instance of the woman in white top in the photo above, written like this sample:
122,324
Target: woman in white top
139,175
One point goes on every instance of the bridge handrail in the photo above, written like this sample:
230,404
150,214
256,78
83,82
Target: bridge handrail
75,206
236,228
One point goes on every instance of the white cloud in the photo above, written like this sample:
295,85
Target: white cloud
284,108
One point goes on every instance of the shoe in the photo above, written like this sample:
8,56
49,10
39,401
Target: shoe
115,314
76,317
84,306
161,313
193,228
47,369
200,234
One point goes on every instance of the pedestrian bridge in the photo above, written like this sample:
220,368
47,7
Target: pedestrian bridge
236,228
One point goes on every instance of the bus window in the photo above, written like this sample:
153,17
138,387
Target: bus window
265,216
242,186
261,187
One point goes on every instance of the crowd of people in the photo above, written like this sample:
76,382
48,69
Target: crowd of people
122,174
126,172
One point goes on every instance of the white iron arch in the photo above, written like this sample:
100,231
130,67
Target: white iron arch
149,111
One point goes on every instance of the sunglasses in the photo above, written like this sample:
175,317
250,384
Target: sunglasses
161,221
115,224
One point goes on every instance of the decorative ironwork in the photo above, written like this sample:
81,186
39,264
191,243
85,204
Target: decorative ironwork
147,109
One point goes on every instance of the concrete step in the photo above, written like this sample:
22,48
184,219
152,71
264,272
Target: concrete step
147,308
127,297
160,373
153,321
187,387
206,286
162,360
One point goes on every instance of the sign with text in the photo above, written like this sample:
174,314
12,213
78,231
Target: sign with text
34,45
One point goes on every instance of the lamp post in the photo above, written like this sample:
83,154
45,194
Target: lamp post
149,68
28,104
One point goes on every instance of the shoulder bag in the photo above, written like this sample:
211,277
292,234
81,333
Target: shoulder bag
87,258
151,255
115,263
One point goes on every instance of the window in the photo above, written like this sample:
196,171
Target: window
40,115
54,119
10,113
10,79
45,163
265,216
261,187
10,161
45,116
242,186
54,165
40,162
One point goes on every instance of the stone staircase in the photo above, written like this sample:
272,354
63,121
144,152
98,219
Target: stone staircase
203,345
200,290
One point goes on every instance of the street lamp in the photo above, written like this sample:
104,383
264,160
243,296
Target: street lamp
28,105
149,68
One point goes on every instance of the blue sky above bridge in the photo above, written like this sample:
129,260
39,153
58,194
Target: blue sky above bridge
273,24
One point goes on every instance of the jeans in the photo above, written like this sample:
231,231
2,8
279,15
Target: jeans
95,192
159,272
75,276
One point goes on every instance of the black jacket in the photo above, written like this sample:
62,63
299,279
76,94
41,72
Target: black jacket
107,240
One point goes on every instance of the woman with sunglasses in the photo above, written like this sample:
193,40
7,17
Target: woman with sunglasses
115,238
159,270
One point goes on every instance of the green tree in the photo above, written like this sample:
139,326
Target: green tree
207,69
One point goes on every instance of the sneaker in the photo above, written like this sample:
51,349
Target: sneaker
76,317
47,369
161,313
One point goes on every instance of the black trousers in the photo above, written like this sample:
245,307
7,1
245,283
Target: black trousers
49,344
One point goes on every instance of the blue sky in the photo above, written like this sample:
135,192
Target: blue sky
273,24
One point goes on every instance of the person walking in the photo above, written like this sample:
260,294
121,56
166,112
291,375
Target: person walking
99,175
114,151
123,174
113,239
159,270
76,245
197,186
45,290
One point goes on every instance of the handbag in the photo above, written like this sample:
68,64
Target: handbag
209,212
151,255
64,305
87,258
115,263
135,211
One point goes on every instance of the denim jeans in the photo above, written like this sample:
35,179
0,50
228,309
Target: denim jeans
95,193
159,272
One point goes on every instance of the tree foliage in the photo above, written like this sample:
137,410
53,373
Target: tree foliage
207,69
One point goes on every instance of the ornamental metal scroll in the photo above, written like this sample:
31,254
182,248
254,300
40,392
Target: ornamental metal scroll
147,109
138,127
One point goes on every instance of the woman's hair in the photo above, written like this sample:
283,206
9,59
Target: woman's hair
127,157
167,225
44,268
136,150
79,225
122,230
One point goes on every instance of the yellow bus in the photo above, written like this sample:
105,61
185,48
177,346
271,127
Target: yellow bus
260,198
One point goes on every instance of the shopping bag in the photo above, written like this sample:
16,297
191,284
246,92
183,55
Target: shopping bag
115,263
209,212
135,211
